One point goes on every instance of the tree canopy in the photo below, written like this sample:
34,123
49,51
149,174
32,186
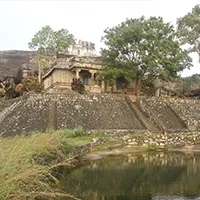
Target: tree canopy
188,84
47,43
142,47
189,29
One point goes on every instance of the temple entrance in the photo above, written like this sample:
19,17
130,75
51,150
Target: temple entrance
85,76
85,79
121,83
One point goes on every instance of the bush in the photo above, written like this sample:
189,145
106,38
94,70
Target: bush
71,133
77,86
19,88
31,83
2,92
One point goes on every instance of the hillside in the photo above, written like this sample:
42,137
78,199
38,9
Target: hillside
11,62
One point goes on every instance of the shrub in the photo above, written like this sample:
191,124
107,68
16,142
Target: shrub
77,86
2,92
31,83
19,88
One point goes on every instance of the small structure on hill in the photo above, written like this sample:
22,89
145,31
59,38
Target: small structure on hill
82,48
81,63
67,66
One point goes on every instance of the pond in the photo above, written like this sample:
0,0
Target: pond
137,176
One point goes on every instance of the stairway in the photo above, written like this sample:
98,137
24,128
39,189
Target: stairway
8,110
150,125
147,123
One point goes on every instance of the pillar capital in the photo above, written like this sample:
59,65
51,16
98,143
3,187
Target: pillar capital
92,72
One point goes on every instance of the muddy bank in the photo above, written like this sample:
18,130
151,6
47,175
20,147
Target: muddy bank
119,151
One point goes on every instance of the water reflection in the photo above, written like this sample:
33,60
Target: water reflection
144,176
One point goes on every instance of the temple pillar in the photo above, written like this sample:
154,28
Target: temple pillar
92,72
114,87
77,73
103,86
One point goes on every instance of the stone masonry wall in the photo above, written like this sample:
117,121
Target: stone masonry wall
6,103
99,111
92,112
162,113
173,113
166,140
28,116
188,110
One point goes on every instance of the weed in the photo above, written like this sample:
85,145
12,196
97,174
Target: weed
26,161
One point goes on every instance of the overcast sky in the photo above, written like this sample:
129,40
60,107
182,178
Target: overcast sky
86,20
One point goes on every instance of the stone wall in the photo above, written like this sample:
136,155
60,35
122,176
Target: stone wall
188,111
27,116
163,115
60,77
173,114
65,111
166,140
99,111
7,103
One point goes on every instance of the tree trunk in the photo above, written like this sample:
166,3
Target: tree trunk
39,71
157,92
196,48
137,86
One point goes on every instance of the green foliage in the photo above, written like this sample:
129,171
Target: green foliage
71,133
139,47
148,87
189,29
47,42
27,163
187,84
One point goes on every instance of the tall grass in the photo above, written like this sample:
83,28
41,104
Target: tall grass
26,163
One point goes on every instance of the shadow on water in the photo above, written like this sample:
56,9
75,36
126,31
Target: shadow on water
141,176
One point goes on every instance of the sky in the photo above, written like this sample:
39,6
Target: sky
86,20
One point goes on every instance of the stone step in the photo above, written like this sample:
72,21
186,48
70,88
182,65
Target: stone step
151,126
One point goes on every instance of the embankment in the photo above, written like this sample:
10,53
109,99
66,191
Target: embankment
91,112
28,163
171,114
98,112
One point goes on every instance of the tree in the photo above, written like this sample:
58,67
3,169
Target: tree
189,29
188,84
48,43
142,47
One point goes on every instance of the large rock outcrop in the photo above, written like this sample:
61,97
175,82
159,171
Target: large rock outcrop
11,62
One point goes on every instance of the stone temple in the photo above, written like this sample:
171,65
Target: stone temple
80,62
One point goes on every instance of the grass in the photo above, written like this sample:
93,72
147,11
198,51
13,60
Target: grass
26,163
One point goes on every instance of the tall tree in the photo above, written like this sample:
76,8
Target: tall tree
48,43
142,47
189,29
